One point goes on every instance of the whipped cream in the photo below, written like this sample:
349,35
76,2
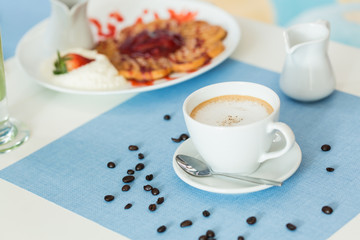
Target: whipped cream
99,74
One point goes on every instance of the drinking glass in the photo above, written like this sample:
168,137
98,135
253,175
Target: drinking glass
12,132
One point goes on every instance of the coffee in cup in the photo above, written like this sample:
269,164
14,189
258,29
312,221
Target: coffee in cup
231,110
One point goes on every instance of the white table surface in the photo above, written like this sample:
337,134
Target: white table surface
50,115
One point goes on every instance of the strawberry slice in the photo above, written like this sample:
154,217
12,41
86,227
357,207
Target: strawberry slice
69,62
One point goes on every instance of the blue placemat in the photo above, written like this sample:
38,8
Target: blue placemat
72,171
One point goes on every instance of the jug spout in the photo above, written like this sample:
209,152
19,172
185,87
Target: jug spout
68,4
289,47
324,23
307,33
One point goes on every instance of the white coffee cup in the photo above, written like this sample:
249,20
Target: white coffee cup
240,148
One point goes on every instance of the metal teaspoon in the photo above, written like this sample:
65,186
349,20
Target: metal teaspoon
198,168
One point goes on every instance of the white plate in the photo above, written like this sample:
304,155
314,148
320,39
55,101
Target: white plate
278,169
30,55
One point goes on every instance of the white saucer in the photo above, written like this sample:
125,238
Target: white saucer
278,169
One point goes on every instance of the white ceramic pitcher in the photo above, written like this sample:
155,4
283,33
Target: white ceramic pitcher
307,73
69,26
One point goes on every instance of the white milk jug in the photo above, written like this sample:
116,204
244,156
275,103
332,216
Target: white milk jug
69,26
307,73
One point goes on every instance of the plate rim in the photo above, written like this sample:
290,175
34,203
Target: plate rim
41,27
180,173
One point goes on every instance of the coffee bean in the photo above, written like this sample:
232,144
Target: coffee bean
109,198
149,177
155,191
330,169
251,220
325,147
210,233
161,229
167,117
160,200
291,227
152,207
176,139
128,179
148,187
139,167
130,171
133,148
241,238
327,210
186,223
125,188
206,213
128,206
141,156
111,165
184,136
203,237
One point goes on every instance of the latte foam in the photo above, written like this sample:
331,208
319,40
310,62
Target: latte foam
231,110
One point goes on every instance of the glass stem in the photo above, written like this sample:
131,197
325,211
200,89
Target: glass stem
7,130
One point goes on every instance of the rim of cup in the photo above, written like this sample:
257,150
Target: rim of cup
275,103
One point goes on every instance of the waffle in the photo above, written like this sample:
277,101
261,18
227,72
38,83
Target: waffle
151,51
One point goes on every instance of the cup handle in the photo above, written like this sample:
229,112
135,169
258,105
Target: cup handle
289,139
